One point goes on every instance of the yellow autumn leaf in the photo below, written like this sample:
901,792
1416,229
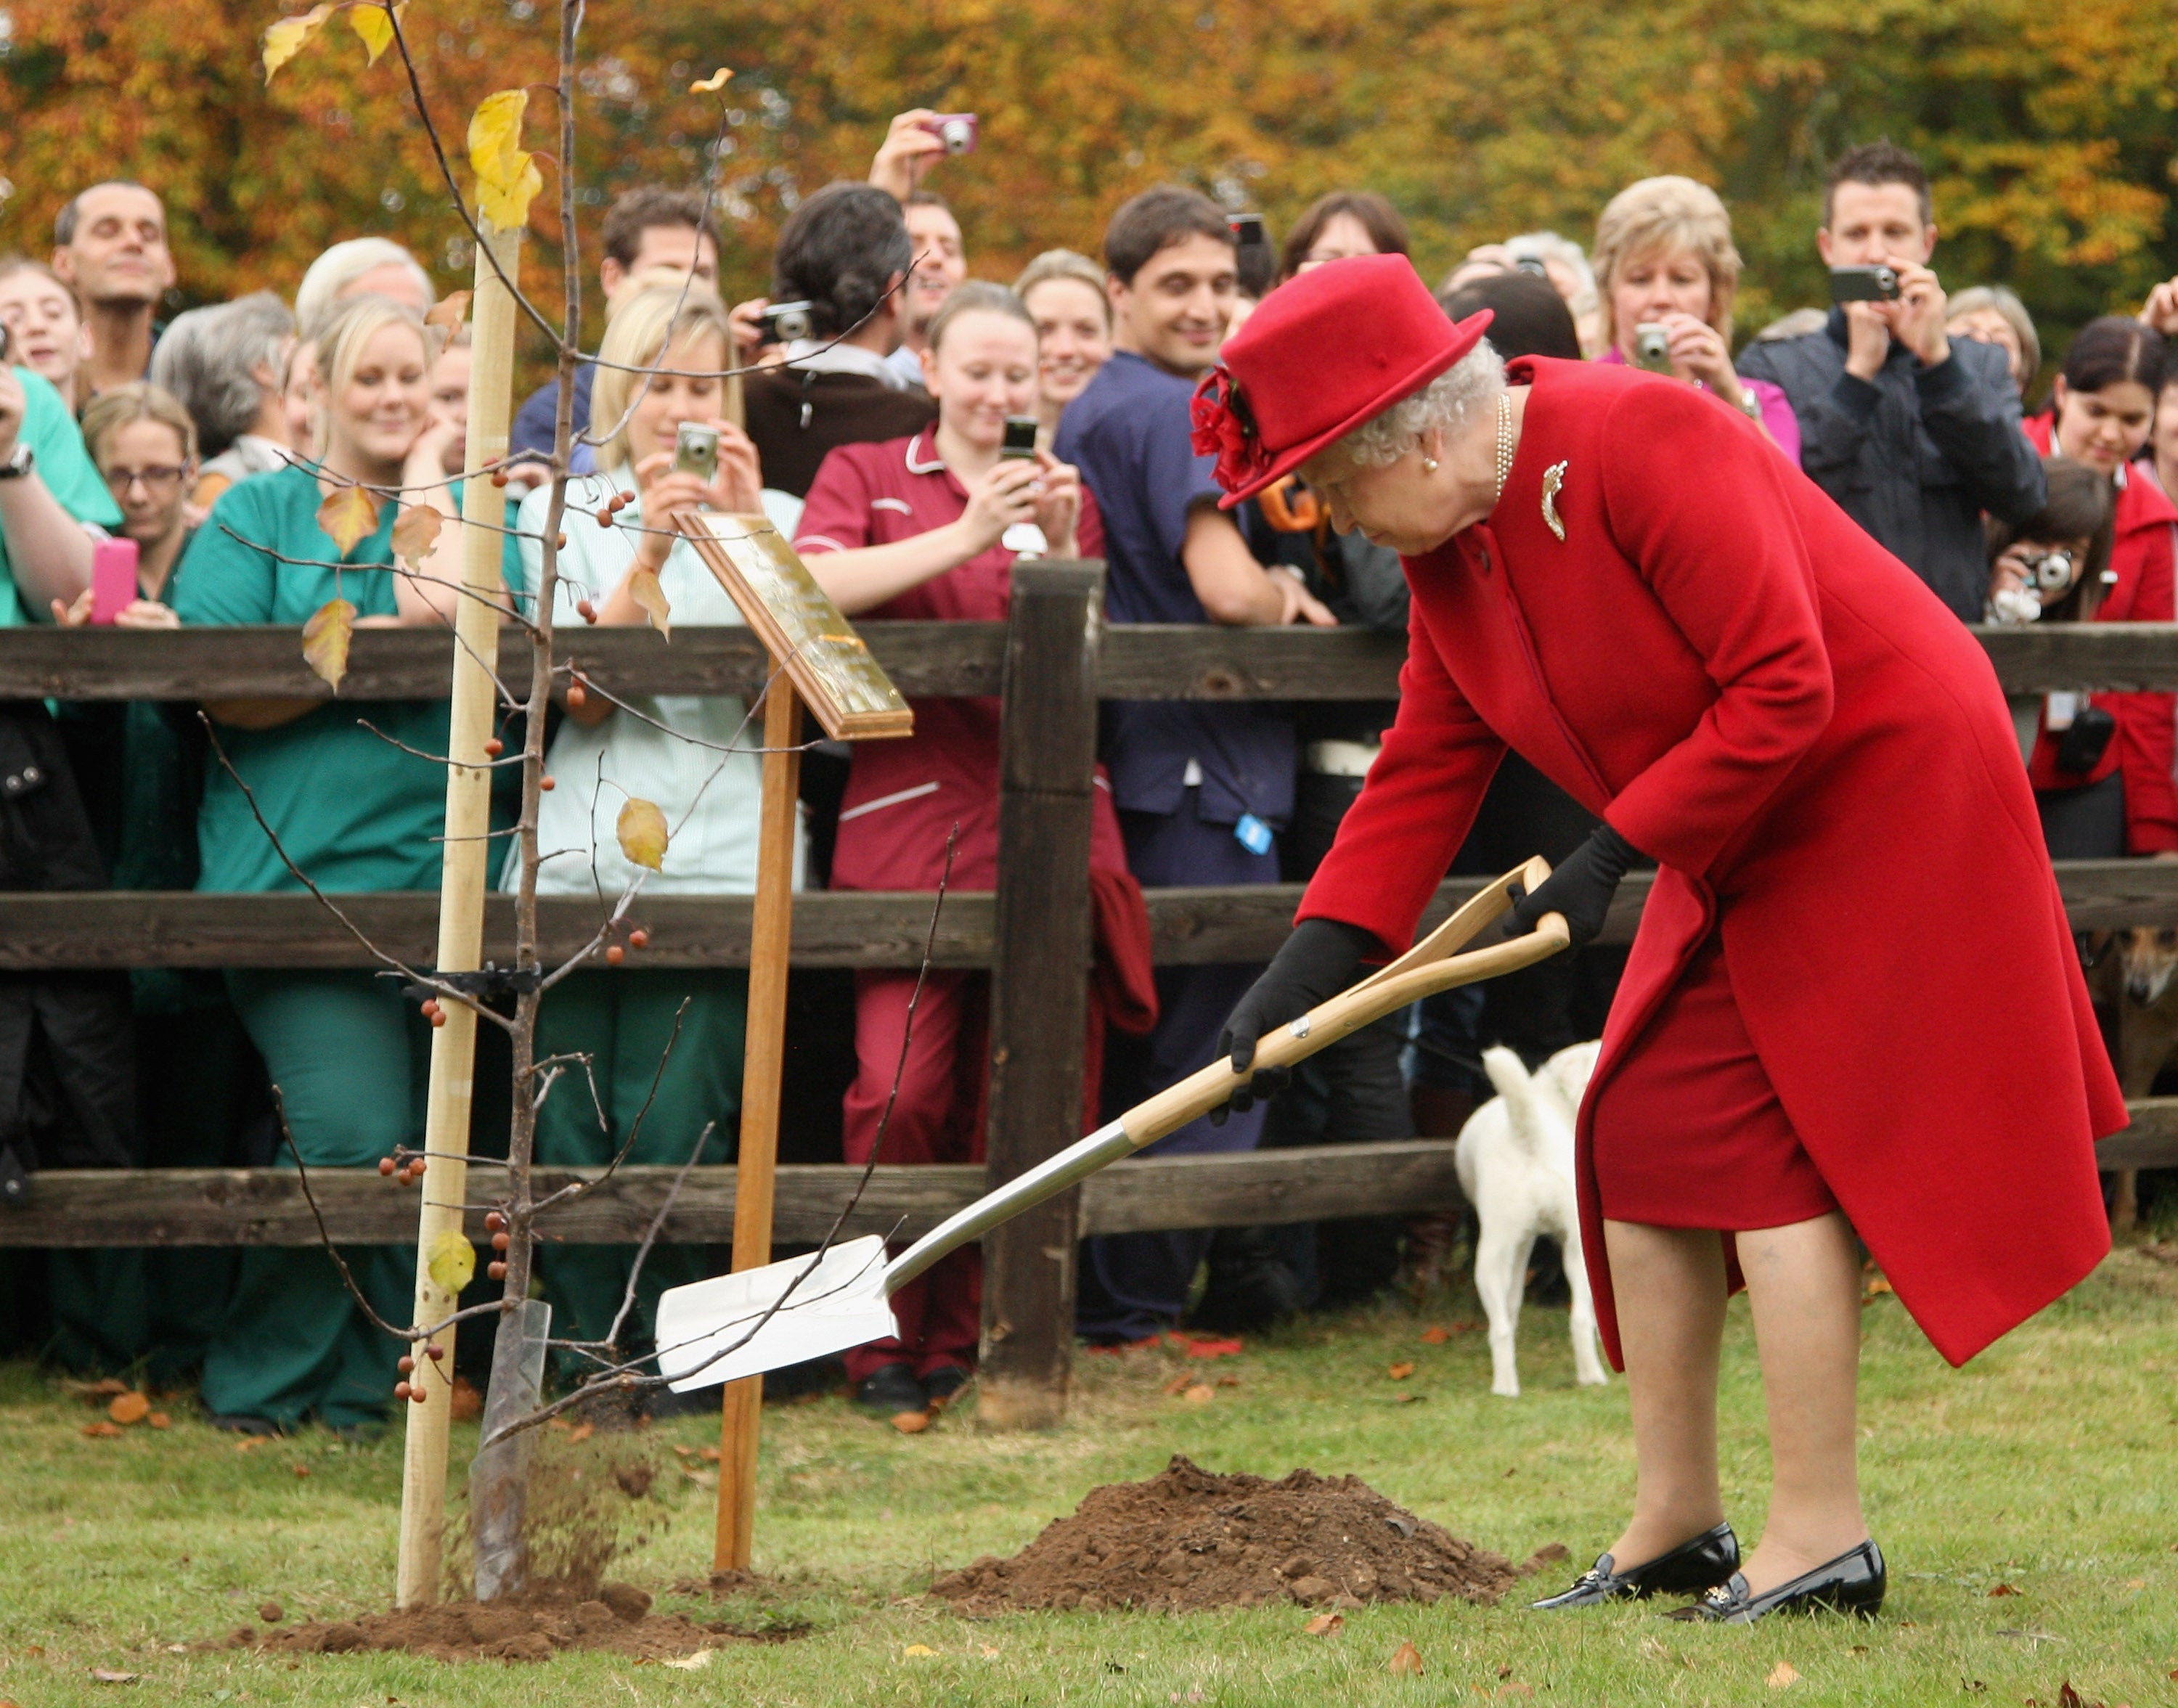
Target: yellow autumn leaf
415,532
283,40
448,313
324,640
452,1260
507,179
644,588
1784,1676
349,516
1407,1660
642,831
373,22
711,85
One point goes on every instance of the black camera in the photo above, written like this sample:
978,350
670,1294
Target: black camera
1020,442
1248,228
1876,284
782,323
2081,748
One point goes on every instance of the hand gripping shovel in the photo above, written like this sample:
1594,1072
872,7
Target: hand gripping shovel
784,1313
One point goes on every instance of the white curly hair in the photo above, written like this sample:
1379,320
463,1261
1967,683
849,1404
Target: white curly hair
1447,404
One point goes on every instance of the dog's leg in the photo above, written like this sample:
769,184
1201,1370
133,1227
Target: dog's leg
1587,1362
1501,1262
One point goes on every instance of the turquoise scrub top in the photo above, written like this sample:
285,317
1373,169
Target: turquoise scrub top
69,475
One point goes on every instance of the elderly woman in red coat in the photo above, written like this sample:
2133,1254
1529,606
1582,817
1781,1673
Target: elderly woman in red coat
1629,586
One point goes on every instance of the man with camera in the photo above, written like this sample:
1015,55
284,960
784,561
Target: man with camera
1914,432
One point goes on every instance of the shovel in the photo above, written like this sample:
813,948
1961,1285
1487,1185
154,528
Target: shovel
788,1312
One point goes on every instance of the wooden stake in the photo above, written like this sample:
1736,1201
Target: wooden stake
763,1057
461,912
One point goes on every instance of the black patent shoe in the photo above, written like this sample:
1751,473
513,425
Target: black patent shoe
1853,1583
1708,1560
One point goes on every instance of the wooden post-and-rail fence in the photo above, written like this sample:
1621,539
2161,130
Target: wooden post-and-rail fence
1050,664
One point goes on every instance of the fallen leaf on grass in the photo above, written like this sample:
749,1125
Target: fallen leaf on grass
1407,1660
1406,1399
129,1408
701,1479
250,1443
582,1432
1400,1372
1783,1676
695,1663
1202,1394
1326,1625
2002,1589
1436,1334
1185,1380
159,1419
916,1650
709,1455
102,1429
1228,1382
105,1676
2136,1583
911,1422
300,1470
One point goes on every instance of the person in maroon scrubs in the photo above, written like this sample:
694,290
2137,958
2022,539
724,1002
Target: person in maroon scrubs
1629,586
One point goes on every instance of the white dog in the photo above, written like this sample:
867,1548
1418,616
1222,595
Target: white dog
1515,1162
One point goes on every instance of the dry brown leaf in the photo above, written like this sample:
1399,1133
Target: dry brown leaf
250,1443
102,1429
450,311
1199,1394
106,1676
1404,1398
695,1663
159,1419
1436,1334
1326,1625
1180,1382
349,516
300,1470
415,532
582,1432
2002,1589
641,828
644,588
325,639
1783,1676
129,1408
709,1455
1407,1660
98,1392
1400,1372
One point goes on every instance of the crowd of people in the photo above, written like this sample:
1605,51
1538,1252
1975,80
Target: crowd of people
869,405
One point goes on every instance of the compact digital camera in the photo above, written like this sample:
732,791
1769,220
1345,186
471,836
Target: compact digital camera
1020,442
696,451
1875,284
2049,572
956,130
1248,228
1652,348
782,323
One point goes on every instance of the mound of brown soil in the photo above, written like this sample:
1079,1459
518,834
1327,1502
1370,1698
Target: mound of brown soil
1188,1539
533,1627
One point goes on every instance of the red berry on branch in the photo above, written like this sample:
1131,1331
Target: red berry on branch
559,541
401,1390
588,611
496,1270
406,1365
577,696
615,955
494,1221
547,784
638,939
438,1015
605,516
416,1168
625,499
500,1242
494,747
386,1166
418,1394
437,1353
498,477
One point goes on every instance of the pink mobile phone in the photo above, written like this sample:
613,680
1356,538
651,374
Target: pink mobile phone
113,587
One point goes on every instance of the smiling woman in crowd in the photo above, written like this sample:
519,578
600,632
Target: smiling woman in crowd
1063,293
44,325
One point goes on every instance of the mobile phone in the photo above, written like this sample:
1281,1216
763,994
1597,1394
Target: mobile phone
1020,437
1248,228
1875,284
782,323
956,130
113,586
696,451
1652,348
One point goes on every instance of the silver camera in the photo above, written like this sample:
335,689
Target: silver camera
2051,571
1652,348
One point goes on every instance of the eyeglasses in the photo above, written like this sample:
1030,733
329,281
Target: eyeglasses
156,481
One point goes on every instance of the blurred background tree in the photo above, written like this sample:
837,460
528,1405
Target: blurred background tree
2048,123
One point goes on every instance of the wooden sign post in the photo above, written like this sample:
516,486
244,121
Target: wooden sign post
817,658
460,914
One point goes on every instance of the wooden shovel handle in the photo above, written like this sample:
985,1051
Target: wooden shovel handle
1423,971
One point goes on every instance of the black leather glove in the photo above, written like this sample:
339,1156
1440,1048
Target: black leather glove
1581,888
1320,958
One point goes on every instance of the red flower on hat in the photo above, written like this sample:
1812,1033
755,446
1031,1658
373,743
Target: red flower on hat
1225,428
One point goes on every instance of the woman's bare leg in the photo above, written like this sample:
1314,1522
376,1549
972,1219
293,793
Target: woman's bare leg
1669,1286
1804,1281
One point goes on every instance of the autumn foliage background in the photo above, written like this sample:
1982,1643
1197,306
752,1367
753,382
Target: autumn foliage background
2048,123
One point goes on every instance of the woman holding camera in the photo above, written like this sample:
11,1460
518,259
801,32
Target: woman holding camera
930,527
669,1039
1667,270
2102,766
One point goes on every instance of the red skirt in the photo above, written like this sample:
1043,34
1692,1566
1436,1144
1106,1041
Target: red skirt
1688,1132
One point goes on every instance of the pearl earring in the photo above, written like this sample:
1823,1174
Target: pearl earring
1428,465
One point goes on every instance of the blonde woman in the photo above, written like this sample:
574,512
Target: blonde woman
1664,256
354,810
707,785
1063,293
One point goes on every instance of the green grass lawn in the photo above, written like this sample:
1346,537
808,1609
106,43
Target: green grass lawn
2050,1465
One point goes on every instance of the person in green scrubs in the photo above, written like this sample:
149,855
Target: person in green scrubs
348,1055
696,758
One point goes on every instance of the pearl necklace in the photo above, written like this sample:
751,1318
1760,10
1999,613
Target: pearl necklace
1504,443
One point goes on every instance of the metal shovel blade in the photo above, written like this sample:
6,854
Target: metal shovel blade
732,1325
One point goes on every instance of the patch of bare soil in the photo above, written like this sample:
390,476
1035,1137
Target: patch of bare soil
616,1619
1188,1539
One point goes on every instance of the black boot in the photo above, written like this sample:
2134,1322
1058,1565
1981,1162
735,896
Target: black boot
1688,1569
891,1389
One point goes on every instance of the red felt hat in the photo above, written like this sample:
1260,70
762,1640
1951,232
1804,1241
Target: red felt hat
1326,351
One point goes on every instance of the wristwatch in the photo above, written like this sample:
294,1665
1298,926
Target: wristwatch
21,463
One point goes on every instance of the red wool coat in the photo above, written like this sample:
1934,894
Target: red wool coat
1757,695
2142,555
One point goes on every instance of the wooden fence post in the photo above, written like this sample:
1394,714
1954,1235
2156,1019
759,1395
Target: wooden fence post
1040,982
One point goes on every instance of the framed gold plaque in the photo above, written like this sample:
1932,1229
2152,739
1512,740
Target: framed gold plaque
825,660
